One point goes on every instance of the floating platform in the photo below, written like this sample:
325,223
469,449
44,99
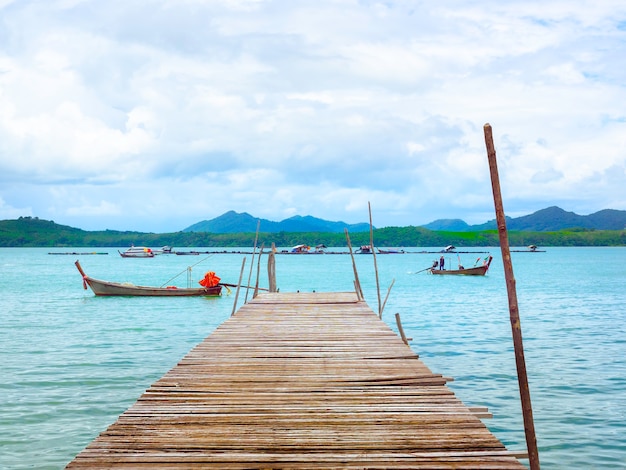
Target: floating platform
316,253
299,380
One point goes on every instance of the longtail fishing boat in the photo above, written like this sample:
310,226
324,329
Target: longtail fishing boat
473,271
211,286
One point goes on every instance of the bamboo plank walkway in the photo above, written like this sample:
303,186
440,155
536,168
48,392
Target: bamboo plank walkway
299,381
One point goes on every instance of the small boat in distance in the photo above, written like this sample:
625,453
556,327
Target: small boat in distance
137,252
364,249
211,287
473,271
389,251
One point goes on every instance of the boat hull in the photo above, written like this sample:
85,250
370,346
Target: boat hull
103,288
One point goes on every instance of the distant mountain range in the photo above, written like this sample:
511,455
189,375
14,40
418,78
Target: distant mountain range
550,219
548,227
234,222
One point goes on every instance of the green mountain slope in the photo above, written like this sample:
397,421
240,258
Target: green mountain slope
545,220
234,222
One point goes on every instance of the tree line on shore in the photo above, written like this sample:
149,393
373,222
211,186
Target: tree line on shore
33,232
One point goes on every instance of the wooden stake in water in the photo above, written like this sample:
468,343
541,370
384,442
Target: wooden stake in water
522,377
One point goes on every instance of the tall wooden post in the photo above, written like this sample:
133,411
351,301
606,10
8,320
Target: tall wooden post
522,377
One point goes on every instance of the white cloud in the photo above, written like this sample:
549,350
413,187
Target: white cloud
282,108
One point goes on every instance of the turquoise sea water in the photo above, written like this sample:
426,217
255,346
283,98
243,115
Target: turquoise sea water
71,363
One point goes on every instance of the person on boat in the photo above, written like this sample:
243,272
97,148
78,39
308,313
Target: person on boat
442,262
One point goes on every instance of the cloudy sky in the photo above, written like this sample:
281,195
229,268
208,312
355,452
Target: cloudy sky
153,115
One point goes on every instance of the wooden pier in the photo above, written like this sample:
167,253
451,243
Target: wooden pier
298,380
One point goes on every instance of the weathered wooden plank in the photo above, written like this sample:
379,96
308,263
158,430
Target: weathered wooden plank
246,460
299,380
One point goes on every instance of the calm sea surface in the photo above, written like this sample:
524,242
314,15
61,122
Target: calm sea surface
72,363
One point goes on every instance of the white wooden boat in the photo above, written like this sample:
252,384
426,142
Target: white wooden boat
137,252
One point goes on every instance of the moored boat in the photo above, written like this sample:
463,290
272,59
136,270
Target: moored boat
389,251
300,249
473,271
166,250
210,287
137,252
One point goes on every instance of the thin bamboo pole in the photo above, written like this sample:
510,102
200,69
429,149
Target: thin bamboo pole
256,239
522,377
243,264
357,283
380,306
387,296
188,271
258,272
